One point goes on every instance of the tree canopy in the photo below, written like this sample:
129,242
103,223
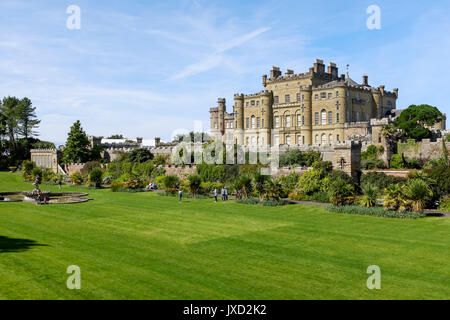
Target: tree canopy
415,120
77,146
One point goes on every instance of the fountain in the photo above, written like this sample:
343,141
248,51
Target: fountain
37,195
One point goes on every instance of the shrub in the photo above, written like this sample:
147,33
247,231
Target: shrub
320,196
370,196
274,203
419,192
374,211
108,179
194,183
445,204
397,161
76,178
372,164
341,193
27,167
380,180
37,173
95,178
248,201
272,190
170,182
259,181
89,166
441,174
309,182
243,187
289,182
139,155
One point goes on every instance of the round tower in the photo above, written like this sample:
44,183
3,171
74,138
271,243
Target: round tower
267,112
239,118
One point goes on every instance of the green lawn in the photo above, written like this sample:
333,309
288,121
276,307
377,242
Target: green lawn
145,246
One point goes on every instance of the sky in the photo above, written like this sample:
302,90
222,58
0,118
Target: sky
151,68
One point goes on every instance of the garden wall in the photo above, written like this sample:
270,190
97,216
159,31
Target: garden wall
423,150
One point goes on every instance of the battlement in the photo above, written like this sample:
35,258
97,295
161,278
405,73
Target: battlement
43,150
380,122
259,94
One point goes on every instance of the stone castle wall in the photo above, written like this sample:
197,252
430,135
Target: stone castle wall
423,150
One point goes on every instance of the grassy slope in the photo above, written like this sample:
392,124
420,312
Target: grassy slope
144,246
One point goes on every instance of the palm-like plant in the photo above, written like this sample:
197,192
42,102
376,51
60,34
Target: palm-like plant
370,197
393,196
273,190
418,192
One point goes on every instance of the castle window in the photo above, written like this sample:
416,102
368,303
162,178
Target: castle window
253,122
288,121
330,117
277,122
253,103
287,98
228,125
246,104
303,97
299,140
258,122
316,118
298,97
231,124
324,138
288,140
316,97
330,96
277,100
257,103
330,138
324,117
215,125
317,139
337,117
299,120
247,122
323,95
253,141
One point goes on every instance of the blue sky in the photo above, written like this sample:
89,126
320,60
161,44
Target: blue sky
151,68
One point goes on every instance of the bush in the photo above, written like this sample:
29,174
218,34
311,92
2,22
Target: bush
76,178
27,167
375,211
139,155
441,174
309,182
170,182
445,204
248,201
243,187
274,203
194,183
380,180
370,196
341,193
372,164
288,183
89,166
95,178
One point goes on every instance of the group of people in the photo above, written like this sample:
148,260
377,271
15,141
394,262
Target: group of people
224,193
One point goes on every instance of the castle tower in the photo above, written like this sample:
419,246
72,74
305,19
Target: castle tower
217,121
267,116
239,118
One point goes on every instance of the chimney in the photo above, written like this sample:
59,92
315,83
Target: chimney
365,81
275,72
264,81
319,67
333,70
157,142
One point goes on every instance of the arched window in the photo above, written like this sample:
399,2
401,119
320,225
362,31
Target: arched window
324,138
253,141
317,139
288,121
253,122
324,117
330,117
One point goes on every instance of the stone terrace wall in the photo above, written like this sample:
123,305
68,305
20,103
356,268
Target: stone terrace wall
423,150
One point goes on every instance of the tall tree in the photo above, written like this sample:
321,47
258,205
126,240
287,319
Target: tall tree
10,111
415,120
77,146
27,120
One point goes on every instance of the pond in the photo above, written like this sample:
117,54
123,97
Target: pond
54,198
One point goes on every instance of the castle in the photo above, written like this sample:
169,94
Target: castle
313,108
